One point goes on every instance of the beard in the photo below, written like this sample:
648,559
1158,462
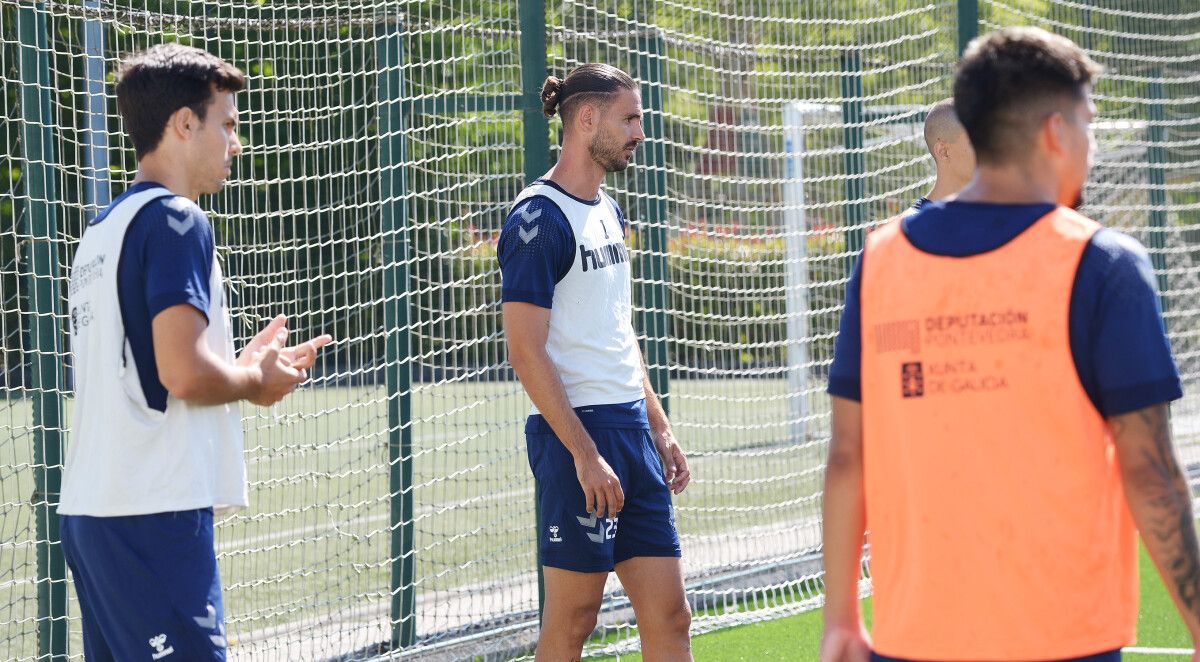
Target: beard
609,154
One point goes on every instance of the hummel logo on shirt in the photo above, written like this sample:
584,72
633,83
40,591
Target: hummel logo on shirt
527,235
604,256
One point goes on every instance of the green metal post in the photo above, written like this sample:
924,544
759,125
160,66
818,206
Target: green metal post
97,191
968,23
1086,29
1157,174
853,137
393,155
653,260
536,131
533,73
45,335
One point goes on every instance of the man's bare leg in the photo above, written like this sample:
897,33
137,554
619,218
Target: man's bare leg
569,615
655,587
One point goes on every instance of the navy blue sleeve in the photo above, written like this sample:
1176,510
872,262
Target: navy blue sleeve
1118,339
845,375
166,260
177,255
536,249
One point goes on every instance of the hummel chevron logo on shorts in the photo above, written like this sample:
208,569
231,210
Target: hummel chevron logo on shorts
607,531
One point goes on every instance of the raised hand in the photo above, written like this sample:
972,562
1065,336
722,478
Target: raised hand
304,355
301,356
261,340
276,377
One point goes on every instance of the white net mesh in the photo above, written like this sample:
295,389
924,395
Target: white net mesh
391,499
1145,178
777,132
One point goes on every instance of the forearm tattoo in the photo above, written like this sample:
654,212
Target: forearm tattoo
1171,521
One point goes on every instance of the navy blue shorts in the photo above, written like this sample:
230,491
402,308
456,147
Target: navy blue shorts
571,539
1109,656
148,586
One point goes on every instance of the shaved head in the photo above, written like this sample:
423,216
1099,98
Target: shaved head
942,124
948,143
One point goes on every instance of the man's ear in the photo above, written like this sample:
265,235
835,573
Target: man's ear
942,148
182,123
586,117
1053,133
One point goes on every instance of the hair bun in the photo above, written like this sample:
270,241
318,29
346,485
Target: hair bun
551,95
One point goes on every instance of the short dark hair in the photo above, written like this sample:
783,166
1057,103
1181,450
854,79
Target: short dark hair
587,83
154,83
1009,80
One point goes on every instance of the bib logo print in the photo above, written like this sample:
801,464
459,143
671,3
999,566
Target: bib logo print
912,380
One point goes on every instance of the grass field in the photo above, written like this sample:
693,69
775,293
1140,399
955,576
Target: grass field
307,567
798,638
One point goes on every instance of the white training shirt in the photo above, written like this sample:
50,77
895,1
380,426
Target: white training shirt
591,339
124,457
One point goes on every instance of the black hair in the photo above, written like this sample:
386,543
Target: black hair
1009,80
587,83
154,83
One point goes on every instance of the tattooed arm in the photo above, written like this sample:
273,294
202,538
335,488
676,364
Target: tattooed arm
1161,503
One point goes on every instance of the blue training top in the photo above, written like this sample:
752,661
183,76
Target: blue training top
1118,340
166,260
530,270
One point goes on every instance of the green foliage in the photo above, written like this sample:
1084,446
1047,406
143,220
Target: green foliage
301,224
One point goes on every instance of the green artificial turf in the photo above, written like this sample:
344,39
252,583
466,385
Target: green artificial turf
798,637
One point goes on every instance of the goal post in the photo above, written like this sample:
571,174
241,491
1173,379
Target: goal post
795,229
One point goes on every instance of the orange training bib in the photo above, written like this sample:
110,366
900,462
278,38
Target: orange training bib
996,518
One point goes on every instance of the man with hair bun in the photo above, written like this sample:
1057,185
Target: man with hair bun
1000,411
599,442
